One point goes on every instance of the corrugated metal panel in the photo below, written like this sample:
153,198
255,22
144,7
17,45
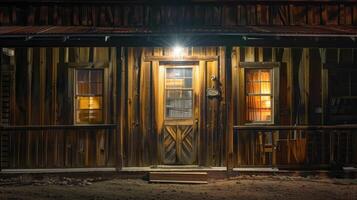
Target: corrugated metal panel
243,30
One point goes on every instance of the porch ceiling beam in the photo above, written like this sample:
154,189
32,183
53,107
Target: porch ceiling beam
169,40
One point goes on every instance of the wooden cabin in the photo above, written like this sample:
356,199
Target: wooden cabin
199,83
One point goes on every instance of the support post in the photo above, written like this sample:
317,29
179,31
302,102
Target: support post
229,112
119,106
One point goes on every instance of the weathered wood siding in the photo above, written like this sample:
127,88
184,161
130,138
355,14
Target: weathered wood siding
43,95
144,106
225,14
303,99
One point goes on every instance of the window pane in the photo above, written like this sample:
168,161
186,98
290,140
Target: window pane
82,81
265,75
82,88
253,115
95,116
253,102
82,116
172,73
266,115
96,88
178,78
96,76
179,103
177,113
89,82
265,102
252,75
89,116
89,103
174,83
188,83
179,83
265,88
253,87
178,72
83,75
258,108
89,99
179,94
258,95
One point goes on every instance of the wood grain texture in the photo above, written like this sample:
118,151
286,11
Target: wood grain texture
43,94
226,14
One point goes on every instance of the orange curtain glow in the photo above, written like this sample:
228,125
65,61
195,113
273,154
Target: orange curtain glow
258,95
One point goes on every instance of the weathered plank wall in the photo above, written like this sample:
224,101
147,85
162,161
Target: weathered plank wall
41,83
303,99
44,96
144,106
180,15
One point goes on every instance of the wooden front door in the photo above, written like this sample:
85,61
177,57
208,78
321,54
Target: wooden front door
179,131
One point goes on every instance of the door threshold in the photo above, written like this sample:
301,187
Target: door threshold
171,169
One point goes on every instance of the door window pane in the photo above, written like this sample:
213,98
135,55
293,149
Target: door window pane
178,93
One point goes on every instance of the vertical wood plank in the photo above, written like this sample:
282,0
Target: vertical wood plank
158,104
235,102
145,105
101,55
202,148
35,104
229,100
121,103
42,86
53,66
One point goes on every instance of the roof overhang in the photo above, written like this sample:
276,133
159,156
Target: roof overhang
278,36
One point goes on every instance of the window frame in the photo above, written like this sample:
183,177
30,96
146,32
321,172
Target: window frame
76,95
274,67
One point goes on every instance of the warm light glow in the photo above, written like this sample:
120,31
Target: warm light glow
265,88
259,95
178,51
89,102
266,102
174,83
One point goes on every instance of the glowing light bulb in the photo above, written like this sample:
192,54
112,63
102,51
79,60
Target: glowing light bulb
178,51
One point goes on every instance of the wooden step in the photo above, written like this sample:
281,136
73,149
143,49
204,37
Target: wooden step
178,177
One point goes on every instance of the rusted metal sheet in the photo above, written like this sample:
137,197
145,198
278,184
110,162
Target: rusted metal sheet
177,14
339,31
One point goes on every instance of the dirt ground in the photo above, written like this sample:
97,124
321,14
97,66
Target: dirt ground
243,187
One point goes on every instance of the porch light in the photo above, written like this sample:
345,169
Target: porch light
177,51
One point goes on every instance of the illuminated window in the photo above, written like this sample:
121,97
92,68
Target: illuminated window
178,93
259,95
89,96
